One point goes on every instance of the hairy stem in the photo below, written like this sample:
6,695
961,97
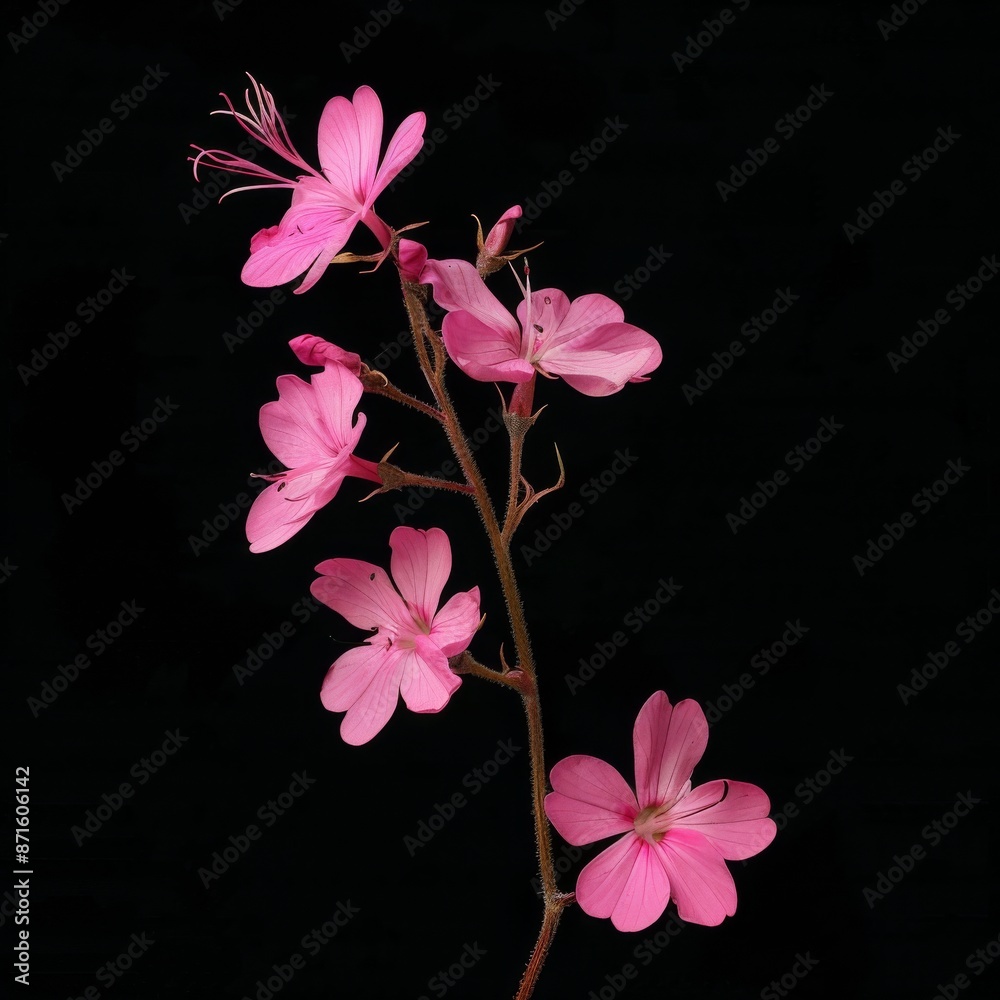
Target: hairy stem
525,679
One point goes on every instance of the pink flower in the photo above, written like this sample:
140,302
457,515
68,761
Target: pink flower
313,350
584,341
412,257
409,654
675,837
309,429
326,206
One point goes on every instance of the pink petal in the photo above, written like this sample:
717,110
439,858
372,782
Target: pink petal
601,361
337,393
428,682
700,882
361,593
562,320
668,742
732,815
498,237
272,520
372,680
482,351
349,138
309,235
404,145
292,425
420,566
412,257
626,882
458,288
590,800
456,623
313,350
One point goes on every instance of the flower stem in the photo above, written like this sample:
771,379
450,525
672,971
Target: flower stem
524,677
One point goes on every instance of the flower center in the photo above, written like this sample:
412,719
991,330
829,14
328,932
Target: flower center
652,823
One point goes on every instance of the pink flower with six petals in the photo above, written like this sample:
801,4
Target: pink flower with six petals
584,341
675,837
309,429
326,206
409,654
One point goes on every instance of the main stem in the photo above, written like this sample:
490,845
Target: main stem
554,900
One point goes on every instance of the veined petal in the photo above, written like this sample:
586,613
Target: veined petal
337,393
700,882
626,882
731,815
350,134
420,566
484,352
590,800
306,239
456,623
376,702
601,361
458,288
292,426
428,682
361,593
404,145
668,742
351,673
272,520
562,320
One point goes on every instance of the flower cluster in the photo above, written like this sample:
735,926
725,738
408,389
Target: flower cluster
673,839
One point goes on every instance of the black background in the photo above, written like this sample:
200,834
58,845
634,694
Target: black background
128,205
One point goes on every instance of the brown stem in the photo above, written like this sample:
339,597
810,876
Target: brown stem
377,384
554,900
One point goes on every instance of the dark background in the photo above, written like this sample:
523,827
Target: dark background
139,537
